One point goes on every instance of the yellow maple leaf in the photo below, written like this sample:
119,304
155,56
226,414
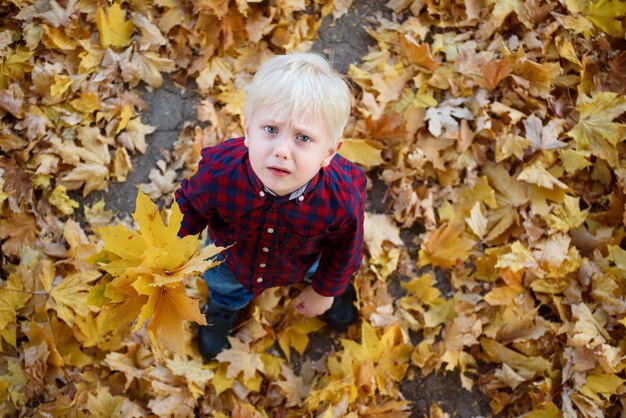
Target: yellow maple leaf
96,215
378,359
220,382
501,354
537,174
60,337
296,334
125,364
219,67
595,130
604,14
196,374
13,296
446,246
95,175
363,151
501,10
113,27
567,51
87,102
380,228
122,242
519,258
134,136
167,307
241,359
107,328
69,297
618,256
545,410
156,248
149,266
477,221
566,216
603,384
574,160
149,66
62,201
422,288
12,384
511,194
125,115
60,85
103,404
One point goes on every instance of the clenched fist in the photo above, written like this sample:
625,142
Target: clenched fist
310,303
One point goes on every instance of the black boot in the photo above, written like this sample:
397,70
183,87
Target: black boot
212,338
342,313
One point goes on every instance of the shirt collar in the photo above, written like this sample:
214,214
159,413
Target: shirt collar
294,195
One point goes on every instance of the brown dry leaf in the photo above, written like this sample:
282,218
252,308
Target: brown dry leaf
17,182
498,120
293,386
494,72
19,231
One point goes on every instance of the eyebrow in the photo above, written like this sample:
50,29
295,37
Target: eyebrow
272,121
304,131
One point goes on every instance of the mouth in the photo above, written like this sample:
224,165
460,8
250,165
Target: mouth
278,171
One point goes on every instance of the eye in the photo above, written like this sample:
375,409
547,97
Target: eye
271,129
303,138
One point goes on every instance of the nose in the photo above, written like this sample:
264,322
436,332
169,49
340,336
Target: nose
282,147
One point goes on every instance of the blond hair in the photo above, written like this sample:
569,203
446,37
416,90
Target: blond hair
301,84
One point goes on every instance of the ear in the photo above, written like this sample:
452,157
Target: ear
332,151
246,140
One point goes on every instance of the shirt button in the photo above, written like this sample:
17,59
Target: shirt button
265,249
262,193
270,230
301,198
262,265
259,280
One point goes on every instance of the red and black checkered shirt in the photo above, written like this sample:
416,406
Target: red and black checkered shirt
277,238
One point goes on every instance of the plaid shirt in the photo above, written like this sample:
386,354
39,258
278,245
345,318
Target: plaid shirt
277,238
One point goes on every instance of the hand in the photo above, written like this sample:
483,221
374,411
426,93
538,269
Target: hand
310,303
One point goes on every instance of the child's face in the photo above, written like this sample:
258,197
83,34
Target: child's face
286,153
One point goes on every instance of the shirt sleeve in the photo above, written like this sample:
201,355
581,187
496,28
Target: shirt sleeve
194,200
343,249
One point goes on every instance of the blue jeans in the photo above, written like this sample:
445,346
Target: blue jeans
226,292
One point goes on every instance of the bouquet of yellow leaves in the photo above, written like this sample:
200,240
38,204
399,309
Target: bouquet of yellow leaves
146,271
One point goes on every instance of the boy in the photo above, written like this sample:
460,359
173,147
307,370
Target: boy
291,206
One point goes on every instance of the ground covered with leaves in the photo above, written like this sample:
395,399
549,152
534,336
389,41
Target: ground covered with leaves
497,126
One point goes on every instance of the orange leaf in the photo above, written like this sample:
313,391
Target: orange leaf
446,246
